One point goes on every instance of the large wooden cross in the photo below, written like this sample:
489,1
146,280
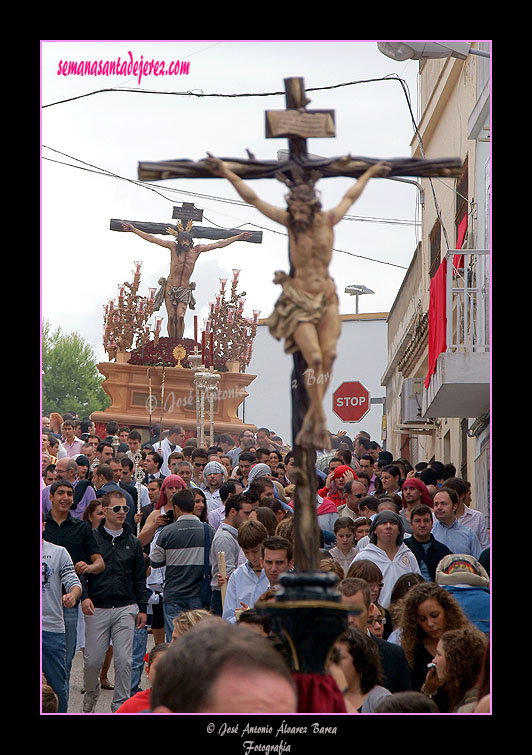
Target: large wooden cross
296,123
186,213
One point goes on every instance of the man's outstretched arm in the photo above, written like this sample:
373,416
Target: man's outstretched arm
219,168
167,243
380,169
244,236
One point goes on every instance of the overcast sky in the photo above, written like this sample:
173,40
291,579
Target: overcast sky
82,261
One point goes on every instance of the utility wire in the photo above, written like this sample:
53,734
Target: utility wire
192,93
102,171
422,150
343,251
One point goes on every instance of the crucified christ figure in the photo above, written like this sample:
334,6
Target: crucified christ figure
177,288
306,313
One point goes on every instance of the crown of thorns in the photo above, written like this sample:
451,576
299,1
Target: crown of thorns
301,184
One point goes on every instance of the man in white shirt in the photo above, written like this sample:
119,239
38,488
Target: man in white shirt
467,516
70,442
248,582
448,530
134,441
214,475
172,442
230,487
277,558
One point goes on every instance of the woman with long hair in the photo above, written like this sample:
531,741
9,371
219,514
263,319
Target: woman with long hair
428,611
458,660
359,659
401,587
56,421
200,504
93,513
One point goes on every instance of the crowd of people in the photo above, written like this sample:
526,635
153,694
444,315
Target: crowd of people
163,537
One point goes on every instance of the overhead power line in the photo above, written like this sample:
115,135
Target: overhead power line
146,185
199,94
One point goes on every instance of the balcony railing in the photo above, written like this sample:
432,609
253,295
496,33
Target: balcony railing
468,300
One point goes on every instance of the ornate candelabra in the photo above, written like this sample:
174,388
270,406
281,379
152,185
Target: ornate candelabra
125,320
213,381
206,383
229,334
201,383
139,477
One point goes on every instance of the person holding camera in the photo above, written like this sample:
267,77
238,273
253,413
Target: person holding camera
163,512
180,550
161,516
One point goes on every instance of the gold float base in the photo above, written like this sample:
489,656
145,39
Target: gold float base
127,385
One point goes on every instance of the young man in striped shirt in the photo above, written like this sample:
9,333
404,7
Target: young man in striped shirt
181,549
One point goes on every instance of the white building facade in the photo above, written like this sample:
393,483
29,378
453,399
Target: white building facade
361,356
447,418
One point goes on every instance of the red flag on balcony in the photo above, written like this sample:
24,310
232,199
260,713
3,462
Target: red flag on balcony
458,259
437,319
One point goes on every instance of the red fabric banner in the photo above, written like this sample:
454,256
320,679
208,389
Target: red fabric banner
437,319
458,259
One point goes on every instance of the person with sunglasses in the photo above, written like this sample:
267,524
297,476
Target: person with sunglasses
334,488
103,479
199,460
113,602
354,492
376,620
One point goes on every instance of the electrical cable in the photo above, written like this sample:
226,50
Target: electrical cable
334,249
192,93
422,150
103,171
390,77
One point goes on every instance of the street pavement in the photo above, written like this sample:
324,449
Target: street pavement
103,705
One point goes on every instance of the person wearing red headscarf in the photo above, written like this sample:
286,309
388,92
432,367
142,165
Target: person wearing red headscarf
414,491
335,483
171,484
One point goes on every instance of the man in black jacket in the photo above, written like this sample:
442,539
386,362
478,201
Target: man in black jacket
114,602
427,550
104,482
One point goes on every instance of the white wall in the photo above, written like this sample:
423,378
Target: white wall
362,354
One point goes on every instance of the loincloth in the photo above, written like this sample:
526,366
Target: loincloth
292,308
177,294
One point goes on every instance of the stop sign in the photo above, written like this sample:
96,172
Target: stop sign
351,401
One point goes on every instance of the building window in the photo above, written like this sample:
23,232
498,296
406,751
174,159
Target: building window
462,188
435,248
463,448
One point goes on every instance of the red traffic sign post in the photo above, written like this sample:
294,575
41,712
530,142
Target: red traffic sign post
351,401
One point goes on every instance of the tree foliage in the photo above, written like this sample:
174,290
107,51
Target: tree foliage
70,380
